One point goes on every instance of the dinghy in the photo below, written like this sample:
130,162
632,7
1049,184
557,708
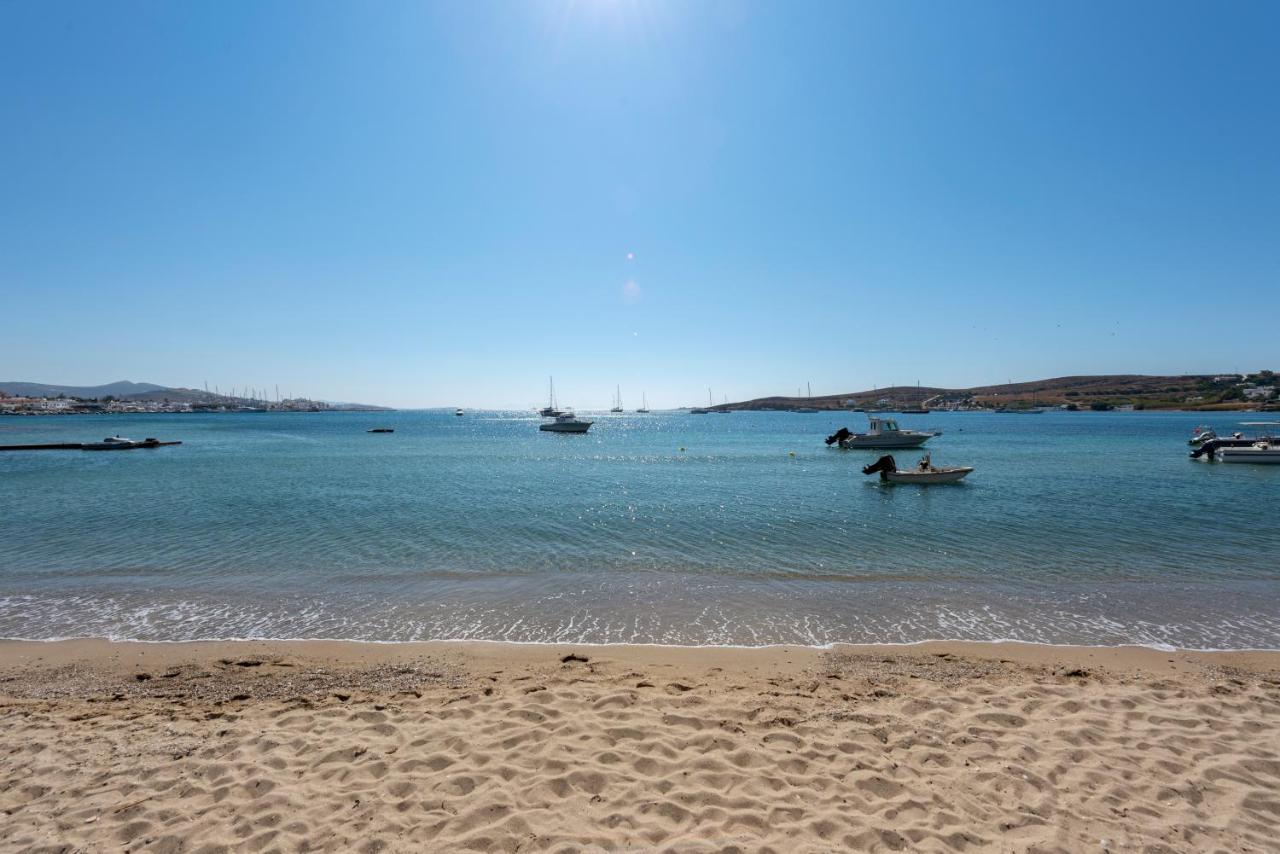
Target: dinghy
924,472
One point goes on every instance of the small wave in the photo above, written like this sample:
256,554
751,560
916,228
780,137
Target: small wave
581,618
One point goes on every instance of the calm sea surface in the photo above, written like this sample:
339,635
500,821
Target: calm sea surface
1089,528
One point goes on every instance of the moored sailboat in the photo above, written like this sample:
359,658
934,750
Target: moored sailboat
700,410
550,410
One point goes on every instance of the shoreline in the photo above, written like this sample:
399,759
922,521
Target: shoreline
968,646
93,648
106,667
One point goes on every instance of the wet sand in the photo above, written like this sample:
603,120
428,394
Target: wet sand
333,746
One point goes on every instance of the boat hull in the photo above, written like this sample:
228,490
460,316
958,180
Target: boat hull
579,427
1250,455
950,475
881,442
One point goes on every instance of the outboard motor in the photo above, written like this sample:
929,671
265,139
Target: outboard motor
839,436
882,465
1209,449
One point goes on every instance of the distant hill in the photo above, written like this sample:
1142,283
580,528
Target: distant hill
121,389
1188,391
342,406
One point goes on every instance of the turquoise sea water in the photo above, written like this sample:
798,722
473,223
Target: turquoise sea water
1088,528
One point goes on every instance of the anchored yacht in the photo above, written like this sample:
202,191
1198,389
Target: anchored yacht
882,433
566,422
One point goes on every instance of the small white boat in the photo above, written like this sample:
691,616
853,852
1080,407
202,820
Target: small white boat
925,472
459,412
882,433
566,422
113,443
1265,451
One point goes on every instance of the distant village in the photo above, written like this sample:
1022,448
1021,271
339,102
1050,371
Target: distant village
109,405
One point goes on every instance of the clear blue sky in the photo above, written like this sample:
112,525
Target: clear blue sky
433,204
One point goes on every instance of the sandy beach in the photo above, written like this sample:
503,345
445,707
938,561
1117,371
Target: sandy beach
332,746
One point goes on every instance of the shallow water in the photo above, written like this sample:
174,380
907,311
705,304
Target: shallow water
1089,528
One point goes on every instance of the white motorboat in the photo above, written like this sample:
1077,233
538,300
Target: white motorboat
1213,446
566,422
1264,451
112,443
459,411
882,433
925,471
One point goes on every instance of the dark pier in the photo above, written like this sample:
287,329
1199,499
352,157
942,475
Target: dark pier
80,446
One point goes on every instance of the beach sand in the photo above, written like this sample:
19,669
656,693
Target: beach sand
330,746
